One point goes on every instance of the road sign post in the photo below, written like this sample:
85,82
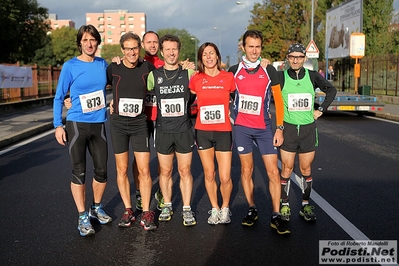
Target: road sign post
312,51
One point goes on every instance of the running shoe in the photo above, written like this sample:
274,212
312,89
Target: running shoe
166,214
127,219
138,202
214,218
147,221
280,225
285,212
307,213
84,226
97,212
251,217
159,197
188,218
224,216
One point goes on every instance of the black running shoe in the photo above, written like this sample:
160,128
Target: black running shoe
147,221
307,213
281,225
251,217
127,219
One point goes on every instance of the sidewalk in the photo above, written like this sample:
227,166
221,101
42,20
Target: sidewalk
23,124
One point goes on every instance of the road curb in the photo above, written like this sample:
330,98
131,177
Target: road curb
388,116
26,133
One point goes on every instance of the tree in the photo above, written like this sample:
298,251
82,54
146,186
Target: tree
377,16
188,44
109,51
23,29
45,56
63,41
281,23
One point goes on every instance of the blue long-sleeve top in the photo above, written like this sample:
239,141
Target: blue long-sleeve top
79,78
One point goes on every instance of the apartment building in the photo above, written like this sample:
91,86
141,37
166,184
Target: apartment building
56,23
112,24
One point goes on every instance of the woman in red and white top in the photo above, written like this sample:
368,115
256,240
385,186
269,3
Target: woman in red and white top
213,88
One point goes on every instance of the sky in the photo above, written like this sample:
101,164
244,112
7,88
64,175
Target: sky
199,18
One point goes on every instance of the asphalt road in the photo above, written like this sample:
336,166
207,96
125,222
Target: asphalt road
356,188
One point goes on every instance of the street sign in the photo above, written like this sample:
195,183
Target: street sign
312,51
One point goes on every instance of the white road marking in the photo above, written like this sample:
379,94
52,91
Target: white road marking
22,143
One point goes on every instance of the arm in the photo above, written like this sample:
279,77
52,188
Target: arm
109,82
186,64
62,90
325,86
278,138
117,59
150,81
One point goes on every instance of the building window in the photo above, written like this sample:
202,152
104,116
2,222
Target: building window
87,18
142,18
131,26
109,18
109,32
109,39
123,26
131,18
121,18
143,26
122,33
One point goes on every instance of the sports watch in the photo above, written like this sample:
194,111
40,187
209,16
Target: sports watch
281,127
321,109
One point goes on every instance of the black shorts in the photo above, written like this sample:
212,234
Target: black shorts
91,136
124,129
151,128
167,143
301,139
221,140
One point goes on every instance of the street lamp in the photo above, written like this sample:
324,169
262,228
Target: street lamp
220,40
195,49
241,3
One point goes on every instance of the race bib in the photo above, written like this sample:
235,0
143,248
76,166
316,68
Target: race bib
300,102
212,114
172,107
250,104
130,107
92,101
150,99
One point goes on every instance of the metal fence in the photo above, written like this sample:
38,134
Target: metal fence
381,73
44,83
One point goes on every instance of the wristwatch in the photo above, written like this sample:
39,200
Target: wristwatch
321,109
281,127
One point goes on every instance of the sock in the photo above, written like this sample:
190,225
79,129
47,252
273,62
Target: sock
275,214
96,205
305,203
137,192
82,214
168,204
307,187
285,189
186,208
